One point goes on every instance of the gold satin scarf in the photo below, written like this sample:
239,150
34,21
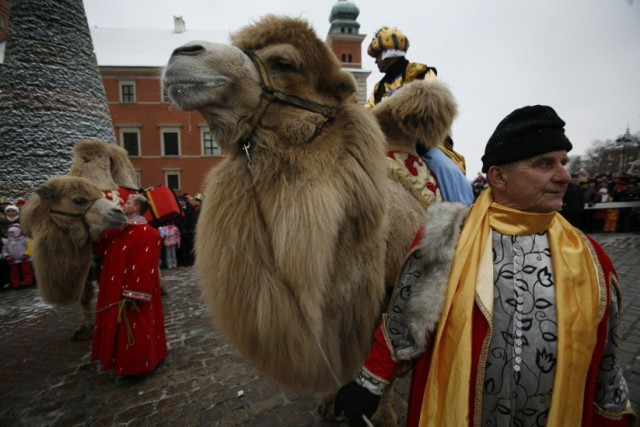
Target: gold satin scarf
446,396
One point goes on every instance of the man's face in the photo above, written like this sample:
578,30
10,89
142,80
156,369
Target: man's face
129,207
536,184
384,64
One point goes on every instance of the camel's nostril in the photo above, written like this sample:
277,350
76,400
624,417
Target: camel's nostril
193,49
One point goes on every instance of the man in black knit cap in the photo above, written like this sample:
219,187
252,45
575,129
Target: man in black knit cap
509,313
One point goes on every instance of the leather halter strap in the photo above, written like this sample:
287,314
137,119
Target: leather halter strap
79,215
270,94
275,95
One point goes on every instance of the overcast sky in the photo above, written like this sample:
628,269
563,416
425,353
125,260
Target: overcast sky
582,57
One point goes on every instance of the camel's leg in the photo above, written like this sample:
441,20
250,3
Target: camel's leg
385,415
87,315
325,406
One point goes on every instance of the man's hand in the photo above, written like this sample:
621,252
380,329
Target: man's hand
355,401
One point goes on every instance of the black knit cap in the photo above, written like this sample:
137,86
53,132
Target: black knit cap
526,132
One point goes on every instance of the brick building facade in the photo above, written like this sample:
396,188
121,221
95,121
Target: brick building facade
166,145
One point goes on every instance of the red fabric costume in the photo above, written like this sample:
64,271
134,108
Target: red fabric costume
129,333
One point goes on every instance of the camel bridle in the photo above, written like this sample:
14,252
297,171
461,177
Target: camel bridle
270,94
82,216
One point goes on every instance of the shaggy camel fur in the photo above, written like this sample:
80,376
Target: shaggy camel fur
301,228
64,217
107,167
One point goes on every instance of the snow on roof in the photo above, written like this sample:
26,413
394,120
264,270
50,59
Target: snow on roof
127,47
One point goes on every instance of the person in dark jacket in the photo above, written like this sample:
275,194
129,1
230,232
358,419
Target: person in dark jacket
573,205
187,226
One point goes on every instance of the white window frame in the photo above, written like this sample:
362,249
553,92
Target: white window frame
122,83
136,130
163,131
173,172
217,153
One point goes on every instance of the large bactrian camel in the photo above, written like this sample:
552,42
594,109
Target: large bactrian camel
301,227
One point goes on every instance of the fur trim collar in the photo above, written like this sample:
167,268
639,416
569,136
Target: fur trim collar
437,248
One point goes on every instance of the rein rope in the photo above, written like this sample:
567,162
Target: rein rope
269,95
270,262
122,314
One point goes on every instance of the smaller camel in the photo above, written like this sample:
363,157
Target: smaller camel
64,216
108,168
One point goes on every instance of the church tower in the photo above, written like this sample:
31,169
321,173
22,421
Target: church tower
345,41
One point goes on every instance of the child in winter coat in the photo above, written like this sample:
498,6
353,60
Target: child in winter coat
171,242
15,252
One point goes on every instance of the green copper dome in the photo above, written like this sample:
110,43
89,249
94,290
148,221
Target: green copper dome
343,18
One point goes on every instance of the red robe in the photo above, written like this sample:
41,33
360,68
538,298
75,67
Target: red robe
129,333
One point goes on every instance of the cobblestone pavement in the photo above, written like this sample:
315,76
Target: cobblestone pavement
48,380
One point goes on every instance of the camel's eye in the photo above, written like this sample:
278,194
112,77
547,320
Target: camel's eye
283,66
80,200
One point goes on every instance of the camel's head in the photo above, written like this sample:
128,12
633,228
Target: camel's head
227,83
63,217
421,111
106,165
73,205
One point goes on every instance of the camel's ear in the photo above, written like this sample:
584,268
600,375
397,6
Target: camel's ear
45,191
343,85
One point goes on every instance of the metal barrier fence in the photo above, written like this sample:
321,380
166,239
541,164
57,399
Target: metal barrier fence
613,205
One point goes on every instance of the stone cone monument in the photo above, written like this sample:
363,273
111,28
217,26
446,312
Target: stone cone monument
51,93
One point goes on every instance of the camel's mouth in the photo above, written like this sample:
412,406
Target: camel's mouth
194,82
115,218
185,91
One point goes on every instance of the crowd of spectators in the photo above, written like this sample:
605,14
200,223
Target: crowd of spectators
15,263
587,198
181,245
